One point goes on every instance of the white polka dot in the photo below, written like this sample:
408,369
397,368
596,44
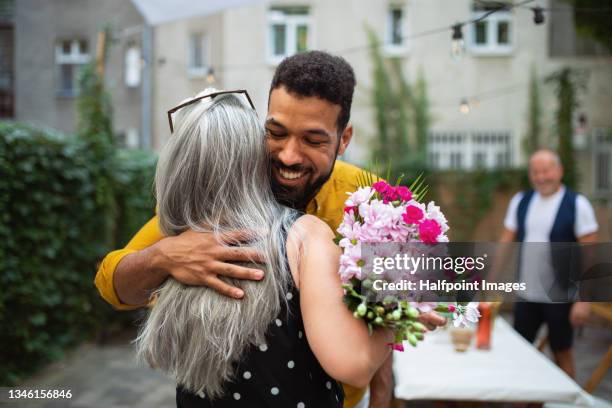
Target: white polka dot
300,334
291,364
289,296
263,347
278,322
274,391
246,375
328,385
301,405
236,396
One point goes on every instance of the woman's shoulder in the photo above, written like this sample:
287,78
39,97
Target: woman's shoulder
308,226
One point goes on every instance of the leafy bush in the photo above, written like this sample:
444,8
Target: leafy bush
51,240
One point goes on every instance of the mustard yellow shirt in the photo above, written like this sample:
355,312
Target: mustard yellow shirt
327,205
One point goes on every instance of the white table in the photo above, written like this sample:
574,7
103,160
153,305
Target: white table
511,371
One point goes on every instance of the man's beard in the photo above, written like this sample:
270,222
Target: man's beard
292,197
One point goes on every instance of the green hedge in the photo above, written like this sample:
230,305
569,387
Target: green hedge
52,236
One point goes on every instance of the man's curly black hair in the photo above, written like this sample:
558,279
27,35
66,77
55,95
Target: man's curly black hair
320,74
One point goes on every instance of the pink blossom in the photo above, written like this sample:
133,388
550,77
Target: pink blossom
396,346
466,316
349,209
362,195
424,307
429,231
434,213
412,215
387,192
404,193
381,186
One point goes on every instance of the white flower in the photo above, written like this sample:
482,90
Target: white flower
360,196
434,213
466,316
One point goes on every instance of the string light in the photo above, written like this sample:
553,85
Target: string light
538,15
210,77
457,42
464,107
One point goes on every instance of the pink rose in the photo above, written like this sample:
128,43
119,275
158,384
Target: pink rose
412,215
429,231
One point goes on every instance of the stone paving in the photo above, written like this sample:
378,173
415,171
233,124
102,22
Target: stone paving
108,375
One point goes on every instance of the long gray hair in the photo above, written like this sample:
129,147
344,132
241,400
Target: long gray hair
213,176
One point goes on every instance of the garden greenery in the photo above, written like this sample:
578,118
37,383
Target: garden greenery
65,201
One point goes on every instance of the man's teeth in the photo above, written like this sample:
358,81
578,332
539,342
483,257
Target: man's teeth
290,175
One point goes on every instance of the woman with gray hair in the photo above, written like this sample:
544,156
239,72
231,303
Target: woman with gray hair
281,345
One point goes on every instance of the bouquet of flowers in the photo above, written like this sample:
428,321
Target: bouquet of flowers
381,213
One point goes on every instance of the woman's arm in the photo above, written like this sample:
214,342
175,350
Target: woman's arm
340,342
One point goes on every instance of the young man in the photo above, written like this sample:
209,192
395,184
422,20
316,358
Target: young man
307,127
548,213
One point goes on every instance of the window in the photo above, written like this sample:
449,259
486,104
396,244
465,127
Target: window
289,32
602,165
133,66
602,161
492,36
469,150
70,57
199,55
396,30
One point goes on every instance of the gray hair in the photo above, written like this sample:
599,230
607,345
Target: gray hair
548,154
213,176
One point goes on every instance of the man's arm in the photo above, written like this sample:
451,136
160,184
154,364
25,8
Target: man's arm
381,386
127,277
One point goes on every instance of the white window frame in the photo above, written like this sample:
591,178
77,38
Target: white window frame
76,57
206,44
492,46
395,49
132,74
460,149
291,22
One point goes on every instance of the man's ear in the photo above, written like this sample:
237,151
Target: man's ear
345,139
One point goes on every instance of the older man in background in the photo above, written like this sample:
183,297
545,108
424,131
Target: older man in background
550,212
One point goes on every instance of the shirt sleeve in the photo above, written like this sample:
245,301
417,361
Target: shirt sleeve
586,222
510,221
147,236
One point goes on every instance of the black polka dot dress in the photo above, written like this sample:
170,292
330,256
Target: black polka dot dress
283,372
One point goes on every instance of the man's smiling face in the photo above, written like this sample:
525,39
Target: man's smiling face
303,141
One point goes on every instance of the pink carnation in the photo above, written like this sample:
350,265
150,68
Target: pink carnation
412,215
404,193
396,346
387,192
350,208
429,231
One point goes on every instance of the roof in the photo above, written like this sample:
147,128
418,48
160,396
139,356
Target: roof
162,11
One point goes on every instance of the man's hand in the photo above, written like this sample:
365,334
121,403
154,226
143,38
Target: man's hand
198,259
580,313
193,258
432,320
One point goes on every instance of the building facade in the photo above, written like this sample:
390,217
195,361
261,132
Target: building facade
478,93
53,42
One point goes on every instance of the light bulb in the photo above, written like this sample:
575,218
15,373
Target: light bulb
457,42
210,77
